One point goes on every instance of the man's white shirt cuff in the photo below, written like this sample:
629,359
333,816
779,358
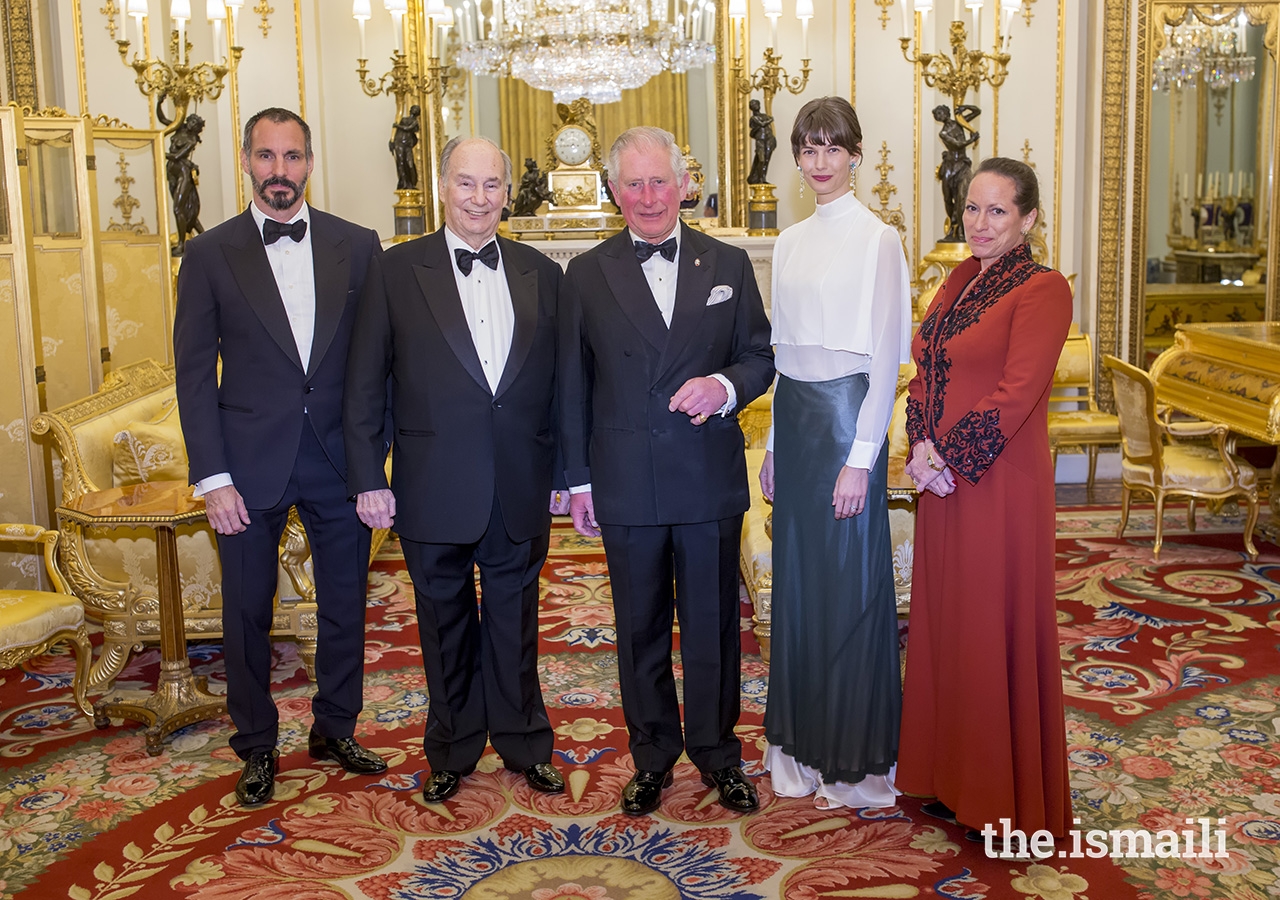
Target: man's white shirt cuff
212,483
733,395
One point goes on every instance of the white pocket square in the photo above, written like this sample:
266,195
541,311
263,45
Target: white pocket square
719,294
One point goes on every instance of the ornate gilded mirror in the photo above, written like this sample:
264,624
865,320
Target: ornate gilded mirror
1205,195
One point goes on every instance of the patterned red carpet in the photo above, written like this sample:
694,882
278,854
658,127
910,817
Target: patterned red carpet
1173,713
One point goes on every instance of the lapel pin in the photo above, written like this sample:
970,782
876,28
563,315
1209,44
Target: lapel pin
697,262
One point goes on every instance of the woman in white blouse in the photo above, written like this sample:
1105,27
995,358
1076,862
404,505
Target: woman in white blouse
841,327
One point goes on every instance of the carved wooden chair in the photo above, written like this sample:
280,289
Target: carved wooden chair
1074,417
1156,462
33,621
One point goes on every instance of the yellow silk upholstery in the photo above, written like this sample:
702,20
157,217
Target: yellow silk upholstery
1074,417
33,621
1156,463
150,451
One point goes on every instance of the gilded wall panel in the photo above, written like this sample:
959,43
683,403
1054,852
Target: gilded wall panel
65,334
139,321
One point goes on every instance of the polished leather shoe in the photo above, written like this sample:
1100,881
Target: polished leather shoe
643,793
736,792
542,777
938,810
441,786
258,780
347,753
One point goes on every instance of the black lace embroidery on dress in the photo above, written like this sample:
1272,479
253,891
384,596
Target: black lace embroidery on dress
973,443
975,440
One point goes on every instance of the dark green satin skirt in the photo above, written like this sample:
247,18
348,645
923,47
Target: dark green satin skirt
835,693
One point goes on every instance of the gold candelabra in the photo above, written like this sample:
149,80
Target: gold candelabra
176,78
769,78
403,83
965,70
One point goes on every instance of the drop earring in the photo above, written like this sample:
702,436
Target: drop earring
798,169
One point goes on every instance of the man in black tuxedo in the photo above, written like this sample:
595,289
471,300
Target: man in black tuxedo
274,291
459,327
662,337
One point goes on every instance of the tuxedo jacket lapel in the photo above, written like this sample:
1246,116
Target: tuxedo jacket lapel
440,290
247,259
626,280
693,286
331,261
524,303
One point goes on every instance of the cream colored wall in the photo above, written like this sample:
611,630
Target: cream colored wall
1055,112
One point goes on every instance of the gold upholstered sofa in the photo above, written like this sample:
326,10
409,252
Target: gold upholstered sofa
756,558
129,432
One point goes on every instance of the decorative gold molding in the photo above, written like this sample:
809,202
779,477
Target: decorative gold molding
110,10
885,6
126,202
20,52
1056,259
77,25
297,40
1115,95
884,189
1036,236
853,52
102,120
1026,10
264,10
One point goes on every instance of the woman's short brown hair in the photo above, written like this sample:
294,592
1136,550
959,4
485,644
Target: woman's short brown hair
826,121
1026,187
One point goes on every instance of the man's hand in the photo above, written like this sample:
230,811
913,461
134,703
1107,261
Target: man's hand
583,511
766,476
559,503
699,399
225,509
850,495
377,509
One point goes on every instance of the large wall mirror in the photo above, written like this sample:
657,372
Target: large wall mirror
1206,206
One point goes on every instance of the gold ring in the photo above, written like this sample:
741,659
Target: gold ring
702,417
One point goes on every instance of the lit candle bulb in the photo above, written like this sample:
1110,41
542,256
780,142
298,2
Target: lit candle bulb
361,12
804,12
216,13
772,10
138,9
180,12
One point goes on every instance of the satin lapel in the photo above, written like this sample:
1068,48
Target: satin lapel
440,290
524,302
331,261
693,285
247,259
626,280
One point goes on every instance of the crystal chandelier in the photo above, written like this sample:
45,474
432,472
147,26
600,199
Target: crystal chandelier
1194,51
585,48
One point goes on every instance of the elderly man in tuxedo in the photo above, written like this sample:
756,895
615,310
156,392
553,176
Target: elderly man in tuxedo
662,337
273,291
457,332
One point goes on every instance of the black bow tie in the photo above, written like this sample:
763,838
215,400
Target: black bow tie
488,254
272,231
667,248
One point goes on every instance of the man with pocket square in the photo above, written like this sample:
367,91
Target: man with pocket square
273,293
663,337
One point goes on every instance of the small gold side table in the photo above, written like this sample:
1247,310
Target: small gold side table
180,698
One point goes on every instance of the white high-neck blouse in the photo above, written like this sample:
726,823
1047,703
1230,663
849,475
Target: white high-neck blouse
841,306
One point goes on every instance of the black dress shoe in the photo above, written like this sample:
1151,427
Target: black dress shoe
441,786
736,792
938,810
643,793
347,753
542,777
258,780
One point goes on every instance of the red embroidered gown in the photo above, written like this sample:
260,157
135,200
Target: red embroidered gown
982,716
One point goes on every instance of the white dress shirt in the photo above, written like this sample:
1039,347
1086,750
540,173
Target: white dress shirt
293,265
841,306
486,302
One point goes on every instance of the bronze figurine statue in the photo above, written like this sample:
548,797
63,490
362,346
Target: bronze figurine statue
765,143
402,145
184,178
533,190
957,134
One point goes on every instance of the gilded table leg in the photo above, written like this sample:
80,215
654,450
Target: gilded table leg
180,698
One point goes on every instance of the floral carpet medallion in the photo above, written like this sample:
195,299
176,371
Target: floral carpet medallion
1173,705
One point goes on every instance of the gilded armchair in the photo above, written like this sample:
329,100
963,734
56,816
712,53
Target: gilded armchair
1156,462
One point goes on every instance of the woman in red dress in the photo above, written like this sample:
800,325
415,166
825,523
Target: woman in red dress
982,717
